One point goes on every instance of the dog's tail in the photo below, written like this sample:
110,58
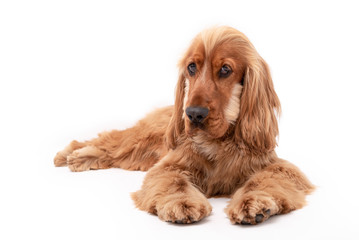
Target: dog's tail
136,148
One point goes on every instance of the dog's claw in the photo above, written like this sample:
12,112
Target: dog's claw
259,218
245,223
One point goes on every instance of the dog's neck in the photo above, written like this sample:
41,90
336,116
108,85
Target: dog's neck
209,148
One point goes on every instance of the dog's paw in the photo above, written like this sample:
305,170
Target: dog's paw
60,160
184,210
84,159
251,210
76,163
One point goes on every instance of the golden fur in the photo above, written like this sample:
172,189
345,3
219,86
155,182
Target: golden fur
231,153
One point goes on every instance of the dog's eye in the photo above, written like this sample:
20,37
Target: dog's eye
192,69
225,71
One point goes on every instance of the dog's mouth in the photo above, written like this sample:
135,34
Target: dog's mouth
195,127
213,130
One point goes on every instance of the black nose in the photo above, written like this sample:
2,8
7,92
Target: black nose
197,114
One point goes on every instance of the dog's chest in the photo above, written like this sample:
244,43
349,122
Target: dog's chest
215,151
222,169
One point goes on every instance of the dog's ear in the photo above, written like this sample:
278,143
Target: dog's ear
176,124
257,125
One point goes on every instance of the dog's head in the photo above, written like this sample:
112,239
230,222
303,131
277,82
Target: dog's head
225,89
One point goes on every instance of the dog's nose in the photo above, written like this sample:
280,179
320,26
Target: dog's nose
196,114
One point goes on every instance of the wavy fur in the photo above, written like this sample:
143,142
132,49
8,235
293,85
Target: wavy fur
231,153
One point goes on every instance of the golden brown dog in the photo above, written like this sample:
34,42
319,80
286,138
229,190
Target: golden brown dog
217,140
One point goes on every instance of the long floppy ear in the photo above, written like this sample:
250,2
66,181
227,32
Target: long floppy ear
176,124
257,125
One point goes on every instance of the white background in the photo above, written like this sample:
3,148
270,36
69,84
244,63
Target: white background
71,69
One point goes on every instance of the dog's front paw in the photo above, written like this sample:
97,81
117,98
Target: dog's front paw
185,210
251,209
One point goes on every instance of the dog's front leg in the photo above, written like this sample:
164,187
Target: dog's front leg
279,188
168,193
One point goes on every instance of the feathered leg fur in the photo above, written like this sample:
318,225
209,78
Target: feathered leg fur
279,188
168,192
136,148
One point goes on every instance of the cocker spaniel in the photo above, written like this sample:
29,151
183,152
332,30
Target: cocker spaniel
217,140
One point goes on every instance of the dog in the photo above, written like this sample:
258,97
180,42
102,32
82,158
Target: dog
218,140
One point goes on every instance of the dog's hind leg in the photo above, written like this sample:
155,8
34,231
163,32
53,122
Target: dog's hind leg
60,159
136,148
